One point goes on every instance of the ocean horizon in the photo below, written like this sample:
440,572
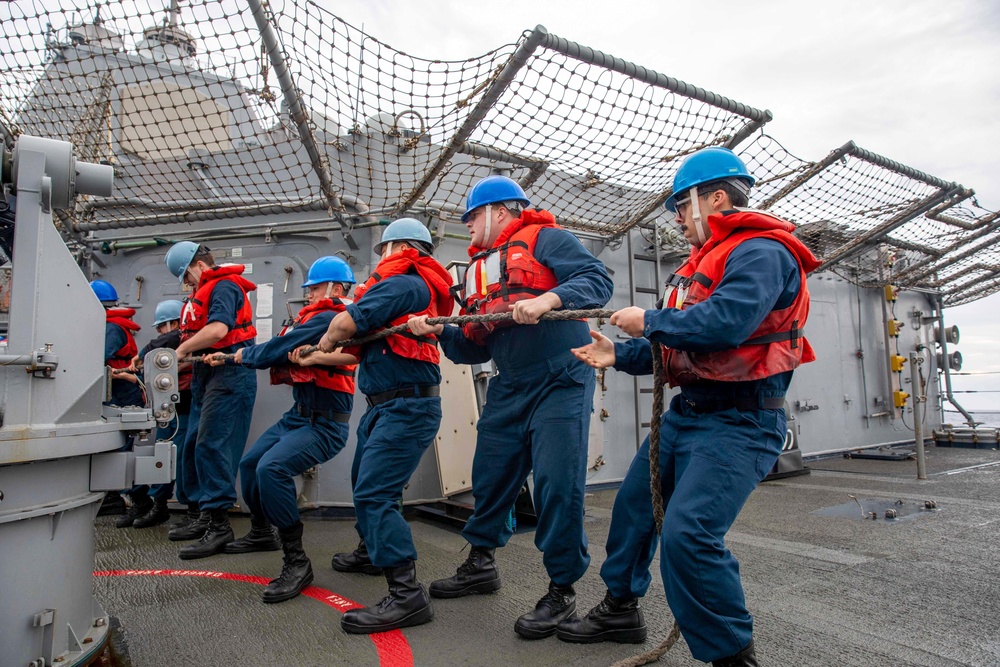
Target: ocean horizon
990,418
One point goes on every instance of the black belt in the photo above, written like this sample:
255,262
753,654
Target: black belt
423,391
332,415
743,403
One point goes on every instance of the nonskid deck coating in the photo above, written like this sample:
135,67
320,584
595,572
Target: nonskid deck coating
824,591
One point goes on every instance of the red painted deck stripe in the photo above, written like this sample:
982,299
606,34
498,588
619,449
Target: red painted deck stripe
392,648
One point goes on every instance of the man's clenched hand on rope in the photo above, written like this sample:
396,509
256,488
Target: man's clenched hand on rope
341,328
220,358
530,311
631,320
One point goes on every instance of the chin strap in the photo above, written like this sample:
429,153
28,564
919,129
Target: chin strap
487,241
696,219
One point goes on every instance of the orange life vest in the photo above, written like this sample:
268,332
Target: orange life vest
122,358
438,281
777,345
336,378
506,273
194,315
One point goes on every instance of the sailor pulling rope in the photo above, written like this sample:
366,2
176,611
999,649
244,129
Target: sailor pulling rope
654,487
654,436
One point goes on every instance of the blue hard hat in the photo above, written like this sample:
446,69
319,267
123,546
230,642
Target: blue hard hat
494,190
167,311
329,270
104,290
179,258
405,229
704,166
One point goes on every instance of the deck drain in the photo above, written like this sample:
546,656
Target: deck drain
880,509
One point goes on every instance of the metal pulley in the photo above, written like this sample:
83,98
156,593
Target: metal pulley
163,390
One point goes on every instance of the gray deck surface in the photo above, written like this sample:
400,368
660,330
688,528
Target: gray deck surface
824,590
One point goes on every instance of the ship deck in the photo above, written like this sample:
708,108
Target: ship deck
826,586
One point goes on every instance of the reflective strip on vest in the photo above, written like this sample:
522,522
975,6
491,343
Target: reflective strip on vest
483,274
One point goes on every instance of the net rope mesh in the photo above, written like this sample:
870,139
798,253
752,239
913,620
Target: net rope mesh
188,105
875,222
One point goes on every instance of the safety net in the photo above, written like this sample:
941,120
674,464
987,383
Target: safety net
215,110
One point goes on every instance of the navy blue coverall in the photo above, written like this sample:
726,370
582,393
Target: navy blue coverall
537,414
710,459
123,392
305,436
221,406
392,436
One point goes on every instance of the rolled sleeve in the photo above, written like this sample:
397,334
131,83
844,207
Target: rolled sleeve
583,280
227,299
386,300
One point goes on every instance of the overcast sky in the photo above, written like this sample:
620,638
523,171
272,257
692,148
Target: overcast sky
917,81
914,80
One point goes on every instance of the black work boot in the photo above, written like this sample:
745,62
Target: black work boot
478,574
112,505
555,606
219,534
356,561
156,514
296,571
406,605
191,527
613,620
745,658
260,538
190,514
141,503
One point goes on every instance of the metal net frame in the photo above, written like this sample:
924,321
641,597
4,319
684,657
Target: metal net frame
877,222
216,110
